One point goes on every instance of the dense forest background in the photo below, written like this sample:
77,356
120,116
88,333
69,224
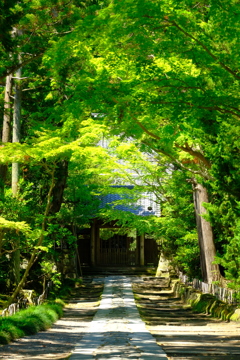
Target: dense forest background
160,81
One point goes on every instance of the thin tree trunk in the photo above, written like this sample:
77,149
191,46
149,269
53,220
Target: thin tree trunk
7,110
6,129
16,128
61,175
15,258
200,235
36,248
1,241
210,271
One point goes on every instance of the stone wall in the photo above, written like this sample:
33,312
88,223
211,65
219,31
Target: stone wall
206,303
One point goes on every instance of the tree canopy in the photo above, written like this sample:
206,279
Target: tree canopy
160,80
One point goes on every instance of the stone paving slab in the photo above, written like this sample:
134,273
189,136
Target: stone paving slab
117,331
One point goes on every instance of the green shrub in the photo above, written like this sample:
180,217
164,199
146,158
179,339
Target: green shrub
29,321
67,287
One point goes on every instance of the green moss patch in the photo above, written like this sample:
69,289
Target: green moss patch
236,315
206,303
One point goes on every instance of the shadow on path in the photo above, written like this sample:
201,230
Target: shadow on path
56,343
182,333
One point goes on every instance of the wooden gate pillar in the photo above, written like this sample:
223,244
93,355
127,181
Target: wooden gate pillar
137,250
93,241
97,245
142,260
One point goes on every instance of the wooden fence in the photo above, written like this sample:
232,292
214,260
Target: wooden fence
227,295
23,302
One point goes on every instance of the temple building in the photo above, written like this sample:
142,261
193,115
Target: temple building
106,244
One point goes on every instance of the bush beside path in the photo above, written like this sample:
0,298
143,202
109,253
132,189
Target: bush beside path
30,321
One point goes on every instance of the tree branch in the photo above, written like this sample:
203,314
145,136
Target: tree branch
205,175
185,148
13,68
195,153
210,108
225,67
146,130
39,243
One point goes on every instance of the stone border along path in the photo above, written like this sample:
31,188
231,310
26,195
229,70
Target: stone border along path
117,331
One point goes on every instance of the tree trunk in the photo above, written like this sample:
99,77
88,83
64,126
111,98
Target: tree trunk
6,129
210,271
16,128
7,110
15,258
200,235
61,175
35,251
1,241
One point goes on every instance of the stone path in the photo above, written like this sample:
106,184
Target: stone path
117,332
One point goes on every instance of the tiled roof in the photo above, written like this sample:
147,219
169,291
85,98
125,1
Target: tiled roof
144,206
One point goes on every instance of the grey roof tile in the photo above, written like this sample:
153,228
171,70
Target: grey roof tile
144,207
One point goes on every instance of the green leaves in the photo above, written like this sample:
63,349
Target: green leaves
161,75
7,225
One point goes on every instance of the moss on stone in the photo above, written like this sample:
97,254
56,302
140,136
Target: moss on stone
207,303
235,316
